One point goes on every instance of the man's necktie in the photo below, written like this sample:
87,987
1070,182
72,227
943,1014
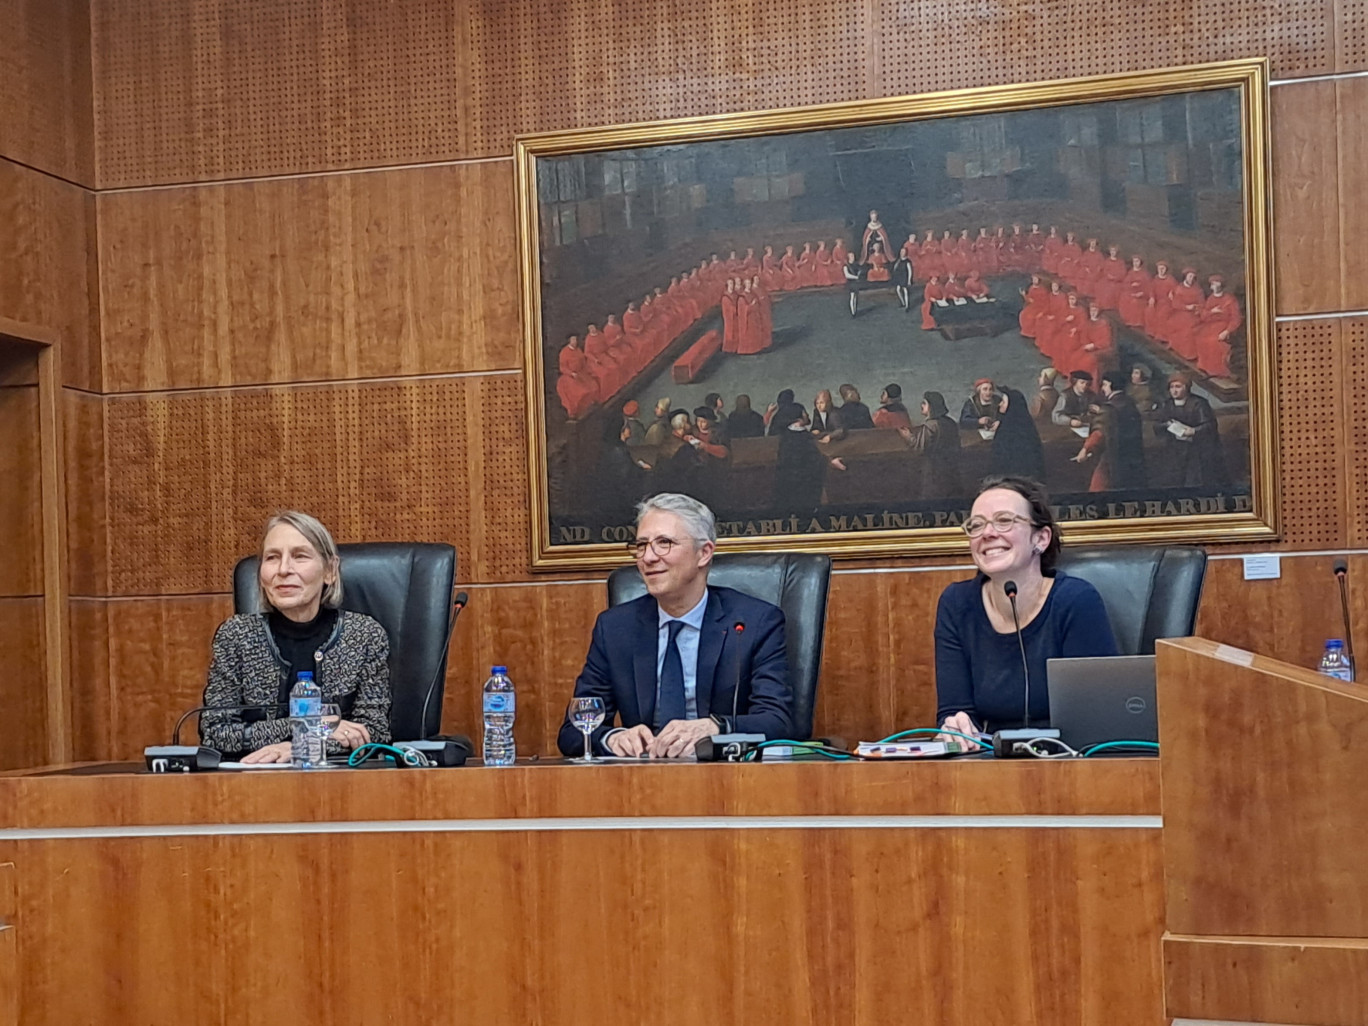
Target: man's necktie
671,704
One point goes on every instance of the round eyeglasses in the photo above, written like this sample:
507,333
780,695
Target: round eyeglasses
661,546
1001,521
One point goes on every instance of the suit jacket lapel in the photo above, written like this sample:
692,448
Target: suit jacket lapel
710,643
644,661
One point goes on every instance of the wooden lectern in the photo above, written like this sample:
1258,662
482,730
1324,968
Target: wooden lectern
1265,797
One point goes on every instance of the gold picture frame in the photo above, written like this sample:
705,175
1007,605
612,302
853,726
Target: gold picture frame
1172,162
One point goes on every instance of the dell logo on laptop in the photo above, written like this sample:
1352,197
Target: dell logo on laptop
1135,704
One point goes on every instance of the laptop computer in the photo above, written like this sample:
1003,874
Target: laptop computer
1102,698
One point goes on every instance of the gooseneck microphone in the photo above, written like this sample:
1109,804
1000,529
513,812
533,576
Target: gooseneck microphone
179,758
1009,744
458,604
738,629
1341,568
1010,589
731,746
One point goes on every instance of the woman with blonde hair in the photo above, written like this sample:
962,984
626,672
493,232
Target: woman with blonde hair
257,657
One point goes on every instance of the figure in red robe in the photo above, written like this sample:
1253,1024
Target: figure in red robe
1220,319
766,313
730,337
975,287
1187,303
807,267
769,269
1069,254
929,264
603,363
1055,305
1067,333
575,386
1135,294
1015,256
985,254
874,231
877,262
1035,248
1160,303
954,288
838,258
1109,280
1088,270
1095,344
788,270
752,336
1036,298
1049,255
932,294
822,268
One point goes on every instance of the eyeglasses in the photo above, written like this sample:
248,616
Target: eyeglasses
661,546
1001,521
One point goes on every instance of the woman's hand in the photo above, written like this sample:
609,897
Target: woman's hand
278,752
350,735
961,724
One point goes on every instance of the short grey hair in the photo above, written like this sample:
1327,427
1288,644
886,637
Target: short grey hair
698,519
319,537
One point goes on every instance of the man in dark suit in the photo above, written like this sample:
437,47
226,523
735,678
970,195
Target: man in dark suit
674,664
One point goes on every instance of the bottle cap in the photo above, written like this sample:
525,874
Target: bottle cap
496,670
1334,643
305,675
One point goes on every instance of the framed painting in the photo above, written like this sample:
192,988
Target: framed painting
830,323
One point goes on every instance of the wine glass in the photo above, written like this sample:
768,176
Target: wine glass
586,714
329,716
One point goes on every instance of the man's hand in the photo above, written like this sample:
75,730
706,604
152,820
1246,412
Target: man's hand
631,742
278,752
961,724
678,737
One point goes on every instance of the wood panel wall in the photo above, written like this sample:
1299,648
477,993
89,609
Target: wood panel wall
299,270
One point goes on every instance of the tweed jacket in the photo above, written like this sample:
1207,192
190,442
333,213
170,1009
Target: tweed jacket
352,669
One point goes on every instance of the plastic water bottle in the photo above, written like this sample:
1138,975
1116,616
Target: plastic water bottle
308,750
1335,663
500,709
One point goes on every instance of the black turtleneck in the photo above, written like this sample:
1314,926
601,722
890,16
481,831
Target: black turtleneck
298,642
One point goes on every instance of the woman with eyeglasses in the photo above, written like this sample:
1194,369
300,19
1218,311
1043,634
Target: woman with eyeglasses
980,663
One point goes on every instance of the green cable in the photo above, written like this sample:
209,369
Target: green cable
1119,744
930,730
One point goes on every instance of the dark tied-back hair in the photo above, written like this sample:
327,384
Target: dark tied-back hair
1041,515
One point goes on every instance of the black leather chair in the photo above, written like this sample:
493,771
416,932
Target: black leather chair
407,587
795,582
1150,592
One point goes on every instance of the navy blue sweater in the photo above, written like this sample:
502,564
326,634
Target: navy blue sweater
978,670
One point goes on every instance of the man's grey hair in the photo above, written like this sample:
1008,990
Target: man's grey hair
322,541
698,519
679,420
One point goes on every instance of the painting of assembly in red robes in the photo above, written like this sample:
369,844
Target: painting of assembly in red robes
836,331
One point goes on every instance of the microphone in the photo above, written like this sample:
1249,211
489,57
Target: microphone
1010,744
1341,569
738,629
729,747
179,758
458,604
1010,589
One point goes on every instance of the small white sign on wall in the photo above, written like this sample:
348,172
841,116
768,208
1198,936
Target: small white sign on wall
1265,567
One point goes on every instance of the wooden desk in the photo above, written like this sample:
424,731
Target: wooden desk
832,893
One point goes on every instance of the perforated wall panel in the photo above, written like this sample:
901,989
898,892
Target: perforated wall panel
1312,434
428,460
1354,339
208,89
579,63
1352,35
951,44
